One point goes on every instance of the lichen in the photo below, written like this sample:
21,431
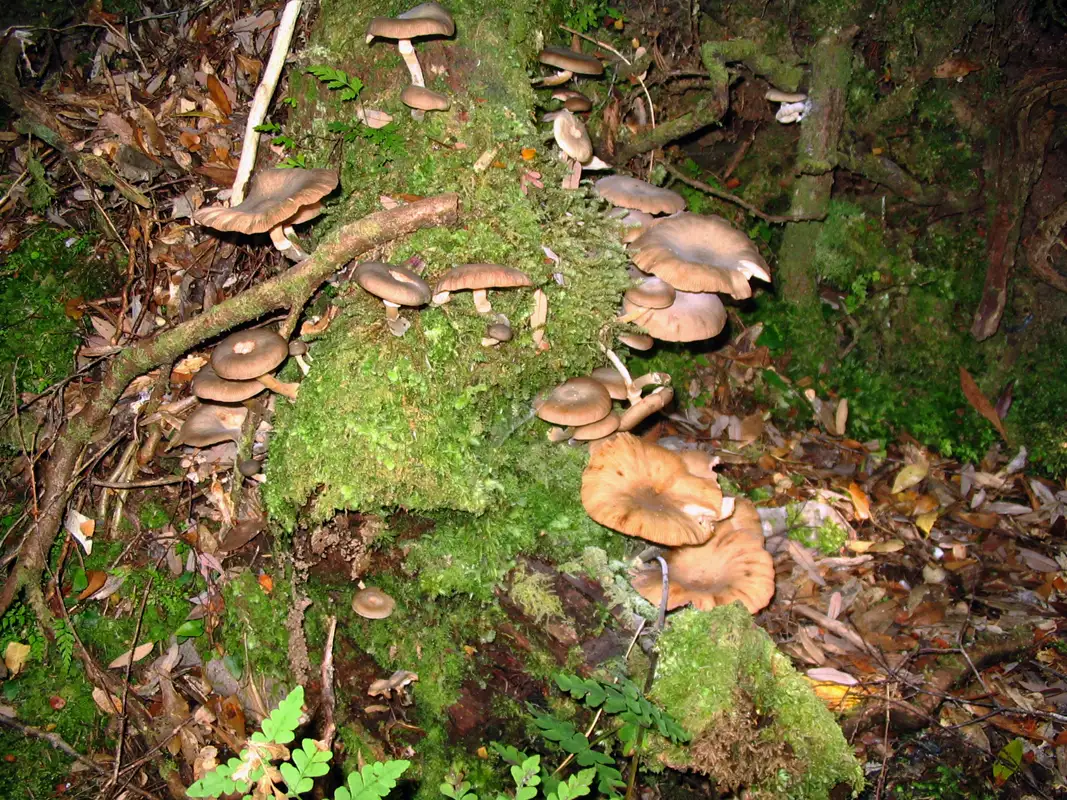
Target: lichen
708,660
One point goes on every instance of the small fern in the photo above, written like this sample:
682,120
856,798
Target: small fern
65,645
338,80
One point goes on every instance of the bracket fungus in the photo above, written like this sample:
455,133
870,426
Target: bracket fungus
732,565
251,356
626,192
426,19
479,278
278,199
696,253
372,603
576,402
692,316
644,490
568,63
395,287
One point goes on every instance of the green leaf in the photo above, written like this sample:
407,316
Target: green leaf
218,782
191,627
372,782
589,758
1009,759
279,727
575,786
310,762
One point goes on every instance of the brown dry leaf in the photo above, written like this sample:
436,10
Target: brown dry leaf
15,655
924,504
955,68
751,429
860,502
925,522
266,583
958,717
241,534
980,403
977,519
97,578
218,95
841,417
889,546
133,656
910,476
106,701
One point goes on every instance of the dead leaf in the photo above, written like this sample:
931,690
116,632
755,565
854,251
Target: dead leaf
81,528
97,578
528,153
860,502
925,522
889,546
133,656
911,475
980,403
15,655
955,68
106,701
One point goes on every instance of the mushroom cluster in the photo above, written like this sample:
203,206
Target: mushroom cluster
423,21
716,553
568,130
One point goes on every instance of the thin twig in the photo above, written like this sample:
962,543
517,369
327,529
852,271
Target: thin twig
733,198
166,480
329,729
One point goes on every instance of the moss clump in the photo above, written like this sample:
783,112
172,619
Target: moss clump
533,593
717,673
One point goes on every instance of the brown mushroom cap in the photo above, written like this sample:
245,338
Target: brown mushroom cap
732,565
612,380
207,385
697,253
651,293
276,196
578,401
481,276
397,285
250,354
500,331
423,99
691,317
699,463
426,19
644,490
373,603
210,424
620,190
572,137
656,400
571,61
635,223
572,100
597,430
637,341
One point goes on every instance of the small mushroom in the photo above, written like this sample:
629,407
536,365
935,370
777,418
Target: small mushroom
249,467
207,385
384,687
573,101
651,293
578,401
426,19
278,198
637,341
620,190
794,105
420,100
479,278
210,424
569,63
251,355
572,137
373,603
298,350
396,287
498,333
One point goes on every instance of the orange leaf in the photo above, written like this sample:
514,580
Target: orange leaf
97,578
733,183
980,402
860,501
528,153
266,582
218,95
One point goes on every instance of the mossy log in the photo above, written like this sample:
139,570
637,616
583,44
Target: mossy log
782,74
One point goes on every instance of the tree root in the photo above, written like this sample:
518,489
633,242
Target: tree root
290,290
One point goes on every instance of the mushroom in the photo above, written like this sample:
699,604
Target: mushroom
732,565
373,603
251,355
249,467
626,192
634,223
395,286
643,490
569,63
700,463
480,278
696,253
299,349
651,293
615,383
279,198
497,333
794,105
644,408
420,100
573,101
384,687
210,424
207,385
691,317
597,430
637,341
572,137
427,19
578,401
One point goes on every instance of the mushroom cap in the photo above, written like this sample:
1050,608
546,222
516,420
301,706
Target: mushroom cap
637,341
249,467
644,490
297,347
373,603
571,60
207,385
572,100
691,317
620,190
426,19
700,463
578,401
210,424
572,137
597,430
481,276
612,380
656,400
423,99
276,196
500,331
246,355
698,253
651,293
635,223
393,284
732,565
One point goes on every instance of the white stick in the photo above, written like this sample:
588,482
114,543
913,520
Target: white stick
283,36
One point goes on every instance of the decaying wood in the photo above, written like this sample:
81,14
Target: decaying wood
290,290
1039,248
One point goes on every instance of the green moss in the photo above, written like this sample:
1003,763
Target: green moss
254,624
737,662
152,514
828,538
533,593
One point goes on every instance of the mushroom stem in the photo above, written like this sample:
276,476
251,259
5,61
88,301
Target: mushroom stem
392,310
280,240
407,51
558,79
304,366
626,318
633,394
652,379
481,301
287,389
397,325
557,434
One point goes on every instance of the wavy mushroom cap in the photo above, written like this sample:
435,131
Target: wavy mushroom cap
626,192
637,341
651,293
397,285
700,463
211,424
423,99
578,401
692,316
373,603
481,276
207,385
426,19
597,430
732,565
571,61
276,197
643,490
696,253
572,137
573,101
656,400
246,355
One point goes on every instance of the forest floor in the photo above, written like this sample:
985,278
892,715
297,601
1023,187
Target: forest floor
922,597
